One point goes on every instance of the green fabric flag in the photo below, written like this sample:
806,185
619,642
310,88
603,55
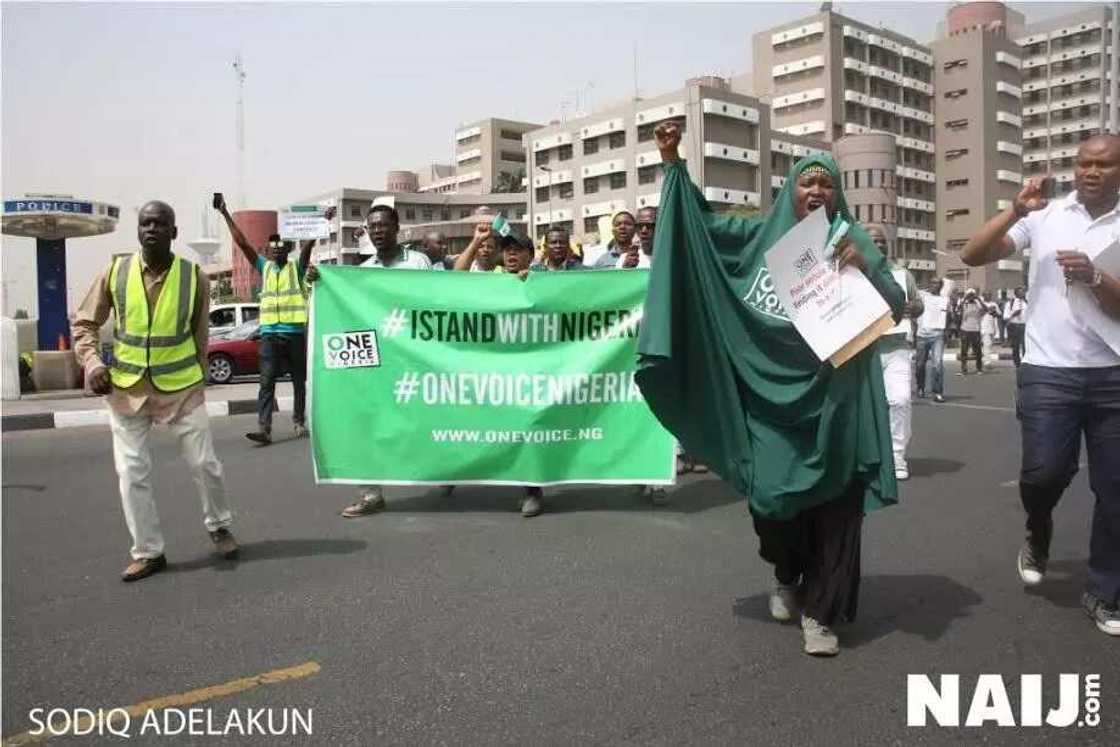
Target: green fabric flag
723,368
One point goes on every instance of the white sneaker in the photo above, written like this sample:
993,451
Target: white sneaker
1031,567
783,602
902,473
819,639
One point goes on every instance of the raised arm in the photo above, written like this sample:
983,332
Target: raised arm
238,237
464,261
991,242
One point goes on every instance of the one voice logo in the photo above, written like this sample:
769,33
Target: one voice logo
351,349
1078,704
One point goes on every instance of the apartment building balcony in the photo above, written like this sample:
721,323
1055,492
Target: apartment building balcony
909,172
732,196
1002,205
559,215
1009,118
731,153
1006,58
797,66
467,134
1080,125
467,155
1035,156
1073,102
1075,53
728,109
918,234
601,168
617,124
607,207
801,32
658,113
554,140
1010,90
653,157
551,178
794,149
910,203
794,99
1036,61
806,128
1063,176
651,199
1012,148
1011,177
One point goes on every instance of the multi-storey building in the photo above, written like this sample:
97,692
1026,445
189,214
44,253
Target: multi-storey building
454,215
978,132
827,76
583,169
489,157
1070,80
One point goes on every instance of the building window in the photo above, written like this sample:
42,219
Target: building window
956,183
409,214
647,175
542,158
564,153
591,185
445,214
465,213
590,146
957,124
870,183
956,65
956,93
542,194
855,180
510,135
591,225
514,156
566,191
957,213
955,153
427,213
618,180
617,139
355,211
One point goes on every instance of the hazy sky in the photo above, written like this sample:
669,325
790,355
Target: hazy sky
126,102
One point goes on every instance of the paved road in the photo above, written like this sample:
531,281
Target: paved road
603,621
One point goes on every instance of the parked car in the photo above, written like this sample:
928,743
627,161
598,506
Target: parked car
234,353
225,317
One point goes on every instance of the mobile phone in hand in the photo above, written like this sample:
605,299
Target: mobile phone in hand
218,200
1049,185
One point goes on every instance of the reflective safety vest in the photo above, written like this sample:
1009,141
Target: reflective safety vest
283,299
160,344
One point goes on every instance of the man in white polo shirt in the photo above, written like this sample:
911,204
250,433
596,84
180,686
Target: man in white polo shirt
1069,381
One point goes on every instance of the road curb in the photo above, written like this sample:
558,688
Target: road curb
37,421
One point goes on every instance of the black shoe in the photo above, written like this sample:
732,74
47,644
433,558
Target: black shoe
224,543
262,437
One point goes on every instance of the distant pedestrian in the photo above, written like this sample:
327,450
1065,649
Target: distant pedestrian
1016,312
988,326
970,312
1069,380
930,341
160,304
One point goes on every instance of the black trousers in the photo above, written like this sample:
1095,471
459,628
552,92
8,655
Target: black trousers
277,354
1016,335
1055,407
971,341
820,549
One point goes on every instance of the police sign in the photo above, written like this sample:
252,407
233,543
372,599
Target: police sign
48,206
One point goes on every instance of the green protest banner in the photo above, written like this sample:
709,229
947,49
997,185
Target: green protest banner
458,377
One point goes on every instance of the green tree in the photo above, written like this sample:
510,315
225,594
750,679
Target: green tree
507,182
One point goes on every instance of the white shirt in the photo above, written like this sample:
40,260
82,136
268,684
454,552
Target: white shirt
1055,336
408,260
1016,311
932,321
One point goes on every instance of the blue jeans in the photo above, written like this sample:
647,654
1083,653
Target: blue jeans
1055,407
931,353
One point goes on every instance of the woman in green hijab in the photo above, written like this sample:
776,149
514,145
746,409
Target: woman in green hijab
724,369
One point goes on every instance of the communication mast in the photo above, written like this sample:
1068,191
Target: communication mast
239,72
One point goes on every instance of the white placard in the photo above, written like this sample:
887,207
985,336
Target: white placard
830,309
935,311
304,222
1085,306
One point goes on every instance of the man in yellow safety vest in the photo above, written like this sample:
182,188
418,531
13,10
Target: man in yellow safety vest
160,304
283,323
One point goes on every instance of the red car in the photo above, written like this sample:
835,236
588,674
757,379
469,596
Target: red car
234,353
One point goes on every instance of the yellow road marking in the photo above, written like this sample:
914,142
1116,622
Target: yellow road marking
191,697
